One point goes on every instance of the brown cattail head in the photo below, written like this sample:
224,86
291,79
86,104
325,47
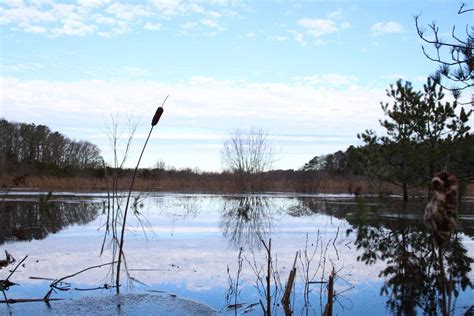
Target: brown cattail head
441,213
157,116
158,113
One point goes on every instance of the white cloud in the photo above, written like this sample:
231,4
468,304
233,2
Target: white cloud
331,79
168,7
212,24
199,97
24,16
315,105
14,3
108,18
249,35
382,28
214,14
92,3
35,29
127,11
189,25
101,19
74,27
320,27
299,37
277,38
152,26
335,15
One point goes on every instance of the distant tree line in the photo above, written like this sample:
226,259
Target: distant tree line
36,149
340,163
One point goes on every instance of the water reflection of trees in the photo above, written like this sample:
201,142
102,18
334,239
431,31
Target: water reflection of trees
393,232
246,220
28,220
412,272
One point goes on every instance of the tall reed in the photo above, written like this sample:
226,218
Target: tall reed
154,121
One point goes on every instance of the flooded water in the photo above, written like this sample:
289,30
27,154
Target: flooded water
207,254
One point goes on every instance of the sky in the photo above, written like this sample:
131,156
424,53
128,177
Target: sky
312,74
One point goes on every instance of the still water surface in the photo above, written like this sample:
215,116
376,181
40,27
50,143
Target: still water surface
182,253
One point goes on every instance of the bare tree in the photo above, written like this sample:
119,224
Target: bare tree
455,57
247,154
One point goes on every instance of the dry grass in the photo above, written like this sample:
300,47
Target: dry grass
221,183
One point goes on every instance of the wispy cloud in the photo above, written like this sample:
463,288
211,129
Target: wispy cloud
277,38
248,35
152,26
212,24
299,37
316,28
127,11
382,28
327,79
107,18
92,3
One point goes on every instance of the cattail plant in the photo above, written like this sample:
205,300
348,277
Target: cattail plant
154,121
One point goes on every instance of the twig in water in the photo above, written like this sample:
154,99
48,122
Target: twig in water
13,271
268,277
234,291
103,287
54,285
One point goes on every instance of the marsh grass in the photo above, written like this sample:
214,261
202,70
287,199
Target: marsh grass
314,266
208,182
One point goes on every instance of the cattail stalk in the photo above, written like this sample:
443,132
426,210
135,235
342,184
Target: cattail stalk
154,121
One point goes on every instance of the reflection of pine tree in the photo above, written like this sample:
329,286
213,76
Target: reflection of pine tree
411,274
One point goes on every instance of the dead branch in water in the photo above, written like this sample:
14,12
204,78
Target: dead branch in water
54,285
13,271
5,284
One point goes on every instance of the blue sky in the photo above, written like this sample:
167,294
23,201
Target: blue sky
312,74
